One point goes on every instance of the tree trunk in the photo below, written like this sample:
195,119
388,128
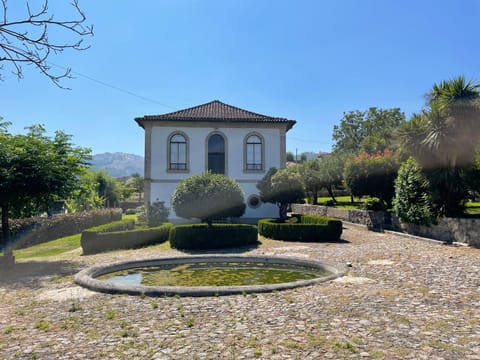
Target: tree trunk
332,194
282,210
7,260
5,227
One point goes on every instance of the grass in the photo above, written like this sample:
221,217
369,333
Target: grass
473,208
58,246
343,202
50,248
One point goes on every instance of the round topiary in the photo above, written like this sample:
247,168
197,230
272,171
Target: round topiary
207,197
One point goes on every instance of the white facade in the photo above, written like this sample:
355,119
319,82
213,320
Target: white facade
162,176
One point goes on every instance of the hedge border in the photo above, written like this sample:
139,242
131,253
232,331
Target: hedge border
218,236
110,237
308,228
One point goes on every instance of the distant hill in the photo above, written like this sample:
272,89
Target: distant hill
118,164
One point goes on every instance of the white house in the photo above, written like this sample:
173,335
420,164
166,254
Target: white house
218,137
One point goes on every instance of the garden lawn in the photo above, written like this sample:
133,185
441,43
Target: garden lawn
50,248
343,202
473,208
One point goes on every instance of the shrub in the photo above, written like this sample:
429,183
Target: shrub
106,238
413,200
130,212
373,205
141,214
32,231
308,228
207,197
202,237
157,213
372,175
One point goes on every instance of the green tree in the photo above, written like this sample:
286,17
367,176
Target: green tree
282,187
208,197
413,199
311,176
444,139
85,197
137,183
108,188
369,131
290,156
372,175
331,172
36,170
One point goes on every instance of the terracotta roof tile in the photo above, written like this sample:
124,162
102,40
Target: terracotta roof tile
215,111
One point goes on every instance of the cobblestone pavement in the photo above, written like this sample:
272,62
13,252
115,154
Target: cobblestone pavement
402,299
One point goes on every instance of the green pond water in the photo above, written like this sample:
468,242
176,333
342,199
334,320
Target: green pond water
214,274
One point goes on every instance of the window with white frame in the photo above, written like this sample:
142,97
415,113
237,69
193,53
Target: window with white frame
178,152
254,152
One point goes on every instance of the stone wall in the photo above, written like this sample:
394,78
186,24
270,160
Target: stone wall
372,219
465,231
447,229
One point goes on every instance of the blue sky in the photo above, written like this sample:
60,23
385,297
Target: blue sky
304,60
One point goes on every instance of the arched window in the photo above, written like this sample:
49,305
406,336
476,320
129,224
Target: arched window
216,154
177,152
254,153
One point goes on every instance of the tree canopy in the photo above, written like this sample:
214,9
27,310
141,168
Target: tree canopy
368,131
208,197
281,187
372,175
444,139
36,170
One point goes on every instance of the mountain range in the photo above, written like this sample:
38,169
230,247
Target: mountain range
118,164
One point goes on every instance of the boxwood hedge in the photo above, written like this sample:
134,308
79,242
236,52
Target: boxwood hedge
122,235
307,228
218,236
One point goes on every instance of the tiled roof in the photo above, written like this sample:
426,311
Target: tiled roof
215,111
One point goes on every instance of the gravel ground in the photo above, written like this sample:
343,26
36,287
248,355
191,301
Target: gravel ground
402,299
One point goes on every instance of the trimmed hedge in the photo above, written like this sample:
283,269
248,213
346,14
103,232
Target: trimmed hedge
219,236
122,235
36,230
308,228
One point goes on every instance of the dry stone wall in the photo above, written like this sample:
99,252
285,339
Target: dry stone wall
447,229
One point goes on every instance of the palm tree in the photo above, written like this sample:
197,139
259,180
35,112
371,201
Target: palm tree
444,139
454,121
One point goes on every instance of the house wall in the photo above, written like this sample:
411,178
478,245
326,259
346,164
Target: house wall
161,182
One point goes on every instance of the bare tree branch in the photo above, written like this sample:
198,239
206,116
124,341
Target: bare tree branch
26,40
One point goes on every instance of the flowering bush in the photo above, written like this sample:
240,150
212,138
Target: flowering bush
372,175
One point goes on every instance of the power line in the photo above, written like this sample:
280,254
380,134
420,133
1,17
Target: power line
103,83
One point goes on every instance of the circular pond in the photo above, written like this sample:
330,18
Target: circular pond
206,275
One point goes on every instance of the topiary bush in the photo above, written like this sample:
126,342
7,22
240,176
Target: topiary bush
122,235
307,228
220,236
207,197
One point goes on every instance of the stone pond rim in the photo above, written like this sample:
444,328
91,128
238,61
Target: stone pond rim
87,277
